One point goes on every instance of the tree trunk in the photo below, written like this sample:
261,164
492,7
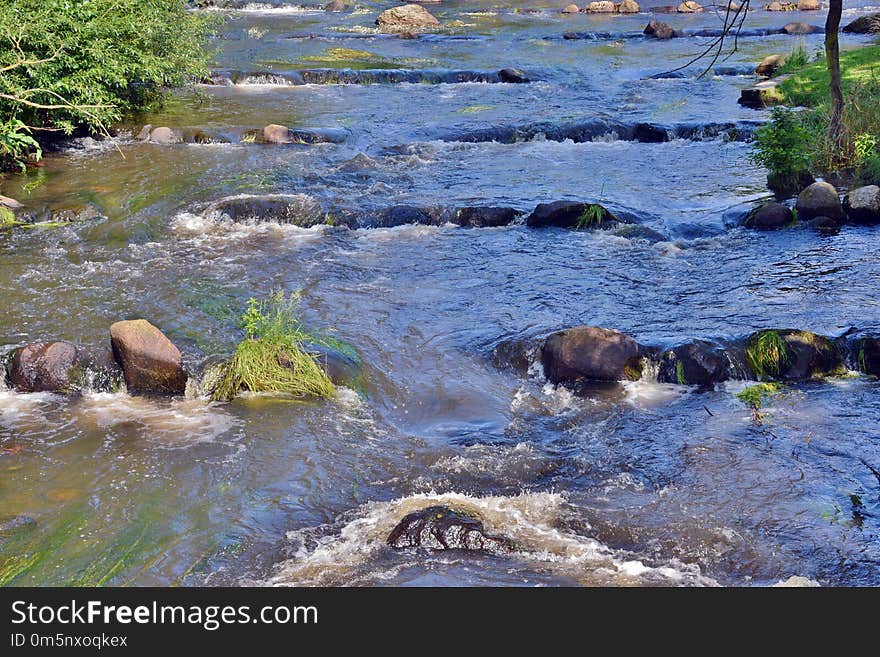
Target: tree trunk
832,58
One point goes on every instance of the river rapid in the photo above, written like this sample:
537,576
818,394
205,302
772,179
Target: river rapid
643,484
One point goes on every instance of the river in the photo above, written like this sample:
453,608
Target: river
647,484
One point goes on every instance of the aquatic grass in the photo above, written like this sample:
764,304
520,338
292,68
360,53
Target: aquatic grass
754,396
273,356
591,217
767,354
679,374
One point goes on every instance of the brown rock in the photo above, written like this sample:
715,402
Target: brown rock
273,134
628,7
43,367
163,135
590,353
408,18
808,5
769,65
600,7
798,28
570,9
689,7
150,362
659,30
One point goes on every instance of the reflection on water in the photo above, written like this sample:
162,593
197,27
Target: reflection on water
641,484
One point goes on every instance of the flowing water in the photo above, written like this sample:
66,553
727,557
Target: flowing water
643,484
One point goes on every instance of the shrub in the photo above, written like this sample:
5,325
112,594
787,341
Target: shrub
273,355
782,147
88,63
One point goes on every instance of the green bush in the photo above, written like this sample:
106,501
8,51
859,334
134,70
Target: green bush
66,64
782,147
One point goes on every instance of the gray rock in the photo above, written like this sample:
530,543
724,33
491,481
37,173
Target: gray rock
770,216
819,200
862,205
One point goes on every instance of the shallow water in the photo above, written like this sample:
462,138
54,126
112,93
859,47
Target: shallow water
645,484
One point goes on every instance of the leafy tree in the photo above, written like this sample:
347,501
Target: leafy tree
69,64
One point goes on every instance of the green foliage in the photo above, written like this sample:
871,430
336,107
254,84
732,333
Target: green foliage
780,146
591,217
17,143
864,146
88,63
755,396
796,59
767,354
272,357
869,172
679,374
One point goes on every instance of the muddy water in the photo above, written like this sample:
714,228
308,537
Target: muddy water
643,484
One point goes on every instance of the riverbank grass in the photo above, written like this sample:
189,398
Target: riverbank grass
273,356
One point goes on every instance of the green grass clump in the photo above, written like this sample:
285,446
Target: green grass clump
273,357
797,59
591,217
755,396
767,354
679,374
809,85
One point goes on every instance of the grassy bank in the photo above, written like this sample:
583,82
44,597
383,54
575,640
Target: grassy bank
798,141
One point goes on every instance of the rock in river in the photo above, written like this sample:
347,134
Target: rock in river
659,30
600,7
442,528
770,216
700,363
485,217
150,362
570,9
43,367
571,214
819,200
863,205
864,25
590,353
867,355
769,65
407,18
512,76
805,355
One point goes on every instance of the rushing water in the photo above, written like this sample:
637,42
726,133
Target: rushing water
645,484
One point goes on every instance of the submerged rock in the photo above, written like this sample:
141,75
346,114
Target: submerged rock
648,133
800,28
819,200
485,217
770,216
660,30
590,353
571,214
864,25
698,362
150,362
515,353
296,209
15,524
863,205
343,369
407,18
512,76
443,528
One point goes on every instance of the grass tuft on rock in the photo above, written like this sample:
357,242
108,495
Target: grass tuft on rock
767,354
273,356
592,217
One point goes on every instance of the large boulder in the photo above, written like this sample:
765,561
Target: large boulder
408,18
44,367
862,205
150,362
443,528
628,7
770,216
571,214
864,25
590,353
819,200
164,135
659,30
805,355
600,7
699,363
769,65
